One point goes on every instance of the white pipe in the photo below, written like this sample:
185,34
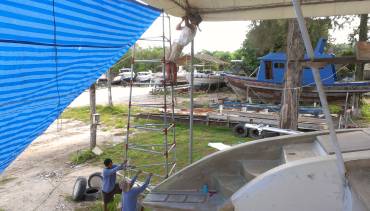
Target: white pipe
271,129
191,117
320,89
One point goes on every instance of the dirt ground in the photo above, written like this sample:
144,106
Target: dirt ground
41,178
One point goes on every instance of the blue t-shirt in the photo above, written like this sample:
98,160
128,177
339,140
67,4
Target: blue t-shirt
129,199
109,178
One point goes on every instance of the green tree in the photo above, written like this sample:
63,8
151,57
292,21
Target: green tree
140,54
271,35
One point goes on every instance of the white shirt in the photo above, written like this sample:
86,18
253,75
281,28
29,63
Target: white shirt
186,36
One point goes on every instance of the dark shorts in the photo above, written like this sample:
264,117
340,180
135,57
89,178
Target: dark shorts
108,197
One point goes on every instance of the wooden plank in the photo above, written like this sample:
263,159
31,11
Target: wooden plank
233,118
319,62
363,51
273,122
272,116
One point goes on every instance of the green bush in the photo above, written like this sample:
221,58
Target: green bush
365,111
335,109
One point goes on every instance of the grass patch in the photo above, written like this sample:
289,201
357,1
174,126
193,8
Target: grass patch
68,198
365,111
110,116
202,136
98,205
113,116
82,156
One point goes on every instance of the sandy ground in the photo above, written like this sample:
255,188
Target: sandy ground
41,178
120,95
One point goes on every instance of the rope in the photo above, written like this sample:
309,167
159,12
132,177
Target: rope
56,55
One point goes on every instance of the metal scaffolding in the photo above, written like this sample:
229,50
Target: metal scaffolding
168,127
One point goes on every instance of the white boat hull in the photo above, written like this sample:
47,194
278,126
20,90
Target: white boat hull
205,81
285,173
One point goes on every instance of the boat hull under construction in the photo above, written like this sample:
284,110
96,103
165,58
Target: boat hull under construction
268,92
284,173
206,80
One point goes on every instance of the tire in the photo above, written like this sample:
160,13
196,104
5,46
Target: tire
92,194
95,180
255,134
240,131
79,189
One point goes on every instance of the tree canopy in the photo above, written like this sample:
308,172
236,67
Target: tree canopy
141,54
263,37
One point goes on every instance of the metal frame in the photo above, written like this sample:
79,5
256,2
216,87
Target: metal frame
191,109
168,126
320,90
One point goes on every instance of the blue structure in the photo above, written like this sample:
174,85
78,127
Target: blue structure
53,50
272,67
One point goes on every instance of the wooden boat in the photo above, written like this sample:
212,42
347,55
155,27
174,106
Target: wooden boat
267,87
206,79
284,173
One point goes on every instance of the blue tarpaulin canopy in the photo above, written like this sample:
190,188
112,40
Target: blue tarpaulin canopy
50,52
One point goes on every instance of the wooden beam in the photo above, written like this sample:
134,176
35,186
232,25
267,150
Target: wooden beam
337,60
93,126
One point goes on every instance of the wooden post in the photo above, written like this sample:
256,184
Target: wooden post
290,95
359,74
109,84
93,126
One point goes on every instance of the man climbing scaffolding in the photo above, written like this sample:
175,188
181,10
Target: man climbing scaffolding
187,34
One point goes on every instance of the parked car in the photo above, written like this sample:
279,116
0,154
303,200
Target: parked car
123,76
145,76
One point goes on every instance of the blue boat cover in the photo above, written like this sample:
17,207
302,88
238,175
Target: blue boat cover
53,50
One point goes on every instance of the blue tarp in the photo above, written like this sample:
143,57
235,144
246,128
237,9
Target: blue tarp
50,52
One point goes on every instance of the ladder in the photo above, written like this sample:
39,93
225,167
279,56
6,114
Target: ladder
168,126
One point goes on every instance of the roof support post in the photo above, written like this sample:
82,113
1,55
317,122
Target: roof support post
93,125
320,89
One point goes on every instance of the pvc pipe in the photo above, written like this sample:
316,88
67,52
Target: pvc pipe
191,118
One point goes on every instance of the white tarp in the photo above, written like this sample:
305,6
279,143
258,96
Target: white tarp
227,10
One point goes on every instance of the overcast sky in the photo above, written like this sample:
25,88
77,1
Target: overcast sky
224,36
